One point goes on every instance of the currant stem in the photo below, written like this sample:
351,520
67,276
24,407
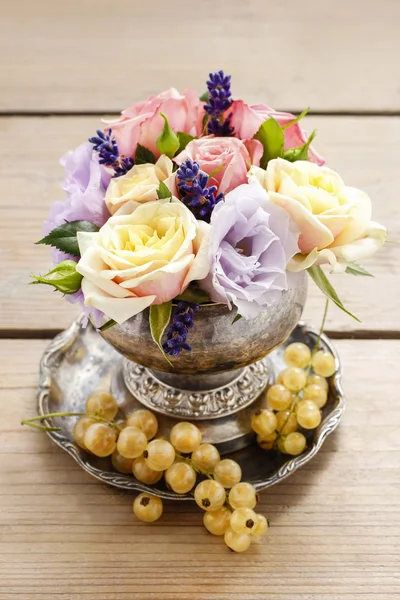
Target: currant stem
30,422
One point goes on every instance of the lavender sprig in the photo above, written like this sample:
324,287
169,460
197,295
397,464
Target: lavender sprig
196,194
109,154
220,99
182,321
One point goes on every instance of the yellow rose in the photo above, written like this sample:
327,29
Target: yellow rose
145,254
334,220
139,184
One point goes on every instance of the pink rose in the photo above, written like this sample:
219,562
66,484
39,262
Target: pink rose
226,159
246,120
141,123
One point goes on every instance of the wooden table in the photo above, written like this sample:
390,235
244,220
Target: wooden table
335,524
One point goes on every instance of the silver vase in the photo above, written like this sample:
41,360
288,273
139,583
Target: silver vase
228,367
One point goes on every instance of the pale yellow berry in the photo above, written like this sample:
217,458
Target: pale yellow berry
131,442
315,394
261,526
238,542
217,521
209,495
121,464
280,444
243,520
279,398
159,455
205,458
180,477
264,422
243,494
294,379
324,363
228,472
295,443
308,414
279,379
185,437
145,420
266,442
286,422
80,429
297,355
102,404
314,379
143,473
100,439
147,508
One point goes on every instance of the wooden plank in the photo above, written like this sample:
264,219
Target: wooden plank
335,524
90,56
364,150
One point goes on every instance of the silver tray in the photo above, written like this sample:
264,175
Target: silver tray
79,361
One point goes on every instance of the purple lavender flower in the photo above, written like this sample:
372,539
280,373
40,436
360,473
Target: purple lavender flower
251,242
196,194
106,146
182,321
220,99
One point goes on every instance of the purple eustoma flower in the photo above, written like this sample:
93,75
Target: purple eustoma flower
252,240
85,185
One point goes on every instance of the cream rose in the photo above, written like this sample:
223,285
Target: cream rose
145,254
334,220
140,184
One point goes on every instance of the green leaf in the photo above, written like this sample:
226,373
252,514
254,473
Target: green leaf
160,315
108,325
163,192
236,319
144,156
195,295
167,142
64,237
320,279
184,139
64,277
205,97
297,119
354,269
271,136
301,152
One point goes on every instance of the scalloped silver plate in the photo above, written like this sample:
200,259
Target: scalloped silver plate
78,361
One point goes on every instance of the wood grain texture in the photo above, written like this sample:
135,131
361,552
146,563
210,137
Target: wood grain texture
335,524
83,55
30,175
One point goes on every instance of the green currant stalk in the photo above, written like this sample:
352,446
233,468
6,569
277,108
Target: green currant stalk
31,422
309,366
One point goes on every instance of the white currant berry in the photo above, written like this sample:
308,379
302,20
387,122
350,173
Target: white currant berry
243,520
217,521
100,439
316,394
324,363
243,494
295,443
261,526
228,472
209,495
121,464
102,404
266,442
147,508
238,542
286,422
180,477
294,379
80,429
278,397
145,420
308,414
264,422
314,379
185,437
143,473
132,442
297,355
206,457
159,455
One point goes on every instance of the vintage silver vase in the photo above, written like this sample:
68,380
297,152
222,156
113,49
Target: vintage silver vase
227,369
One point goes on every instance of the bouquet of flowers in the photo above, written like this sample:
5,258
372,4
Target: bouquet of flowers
185,200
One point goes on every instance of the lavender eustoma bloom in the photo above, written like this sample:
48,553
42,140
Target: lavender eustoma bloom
85,185
252,240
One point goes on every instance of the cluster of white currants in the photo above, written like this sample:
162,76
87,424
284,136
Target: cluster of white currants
296,399
227,501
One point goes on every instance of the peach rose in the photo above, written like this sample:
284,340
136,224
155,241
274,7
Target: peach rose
141,123
225,159
334,219
246,120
